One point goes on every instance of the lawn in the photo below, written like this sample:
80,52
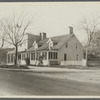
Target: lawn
14,67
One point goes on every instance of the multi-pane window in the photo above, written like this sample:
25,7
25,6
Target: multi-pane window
49,55
56,54
55,44
28,55
39,45
19,56
84,55
8,58
23,56
53,55
32,56
11,57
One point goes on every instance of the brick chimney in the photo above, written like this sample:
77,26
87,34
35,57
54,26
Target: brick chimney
70,30
42,35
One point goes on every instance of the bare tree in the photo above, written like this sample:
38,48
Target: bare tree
90,26
14,31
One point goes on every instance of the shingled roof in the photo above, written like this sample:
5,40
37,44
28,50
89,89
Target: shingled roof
31,39
59,40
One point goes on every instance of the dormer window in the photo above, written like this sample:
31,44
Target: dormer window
55,44
39,45
66,45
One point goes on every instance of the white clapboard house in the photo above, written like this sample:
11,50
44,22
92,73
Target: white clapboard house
59,50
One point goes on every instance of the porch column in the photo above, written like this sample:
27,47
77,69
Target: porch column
7,59
25,55
30,56
13,58
35,56
47,58
36,61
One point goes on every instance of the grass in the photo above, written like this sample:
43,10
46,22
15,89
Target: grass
14,67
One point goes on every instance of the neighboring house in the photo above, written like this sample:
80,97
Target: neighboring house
3,54
59,50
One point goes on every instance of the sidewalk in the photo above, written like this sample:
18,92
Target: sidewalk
37,69
56,70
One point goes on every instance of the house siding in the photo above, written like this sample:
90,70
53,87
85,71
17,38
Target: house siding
71,50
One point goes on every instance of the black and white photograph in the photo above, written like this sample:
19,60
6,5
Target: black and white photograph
49,49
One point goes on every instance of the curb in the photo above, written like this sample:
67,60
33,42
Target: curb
15,69
36,70
40,70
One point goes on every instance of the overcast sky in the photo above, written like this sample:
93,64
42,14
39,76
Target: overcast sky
52,17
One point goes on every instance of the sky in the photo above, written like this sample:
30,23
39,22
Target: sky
54,18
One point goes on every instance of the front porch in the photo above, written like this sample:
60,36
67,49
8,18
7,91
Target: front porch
35,58
43,58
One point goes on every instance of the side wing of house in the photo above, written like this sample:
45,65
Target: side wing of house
71,50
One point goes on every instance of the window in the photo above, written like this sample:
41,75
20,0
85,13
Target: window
65,57
49,55
76,45
34,56
23,56
11,57
77,58
56,55
19,56
45,55
39,45
53,55
28,55
84,55
66,45
8,58
55,44
31,56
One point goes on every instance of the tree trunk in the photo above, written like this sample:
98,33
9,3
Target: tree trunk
16,55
